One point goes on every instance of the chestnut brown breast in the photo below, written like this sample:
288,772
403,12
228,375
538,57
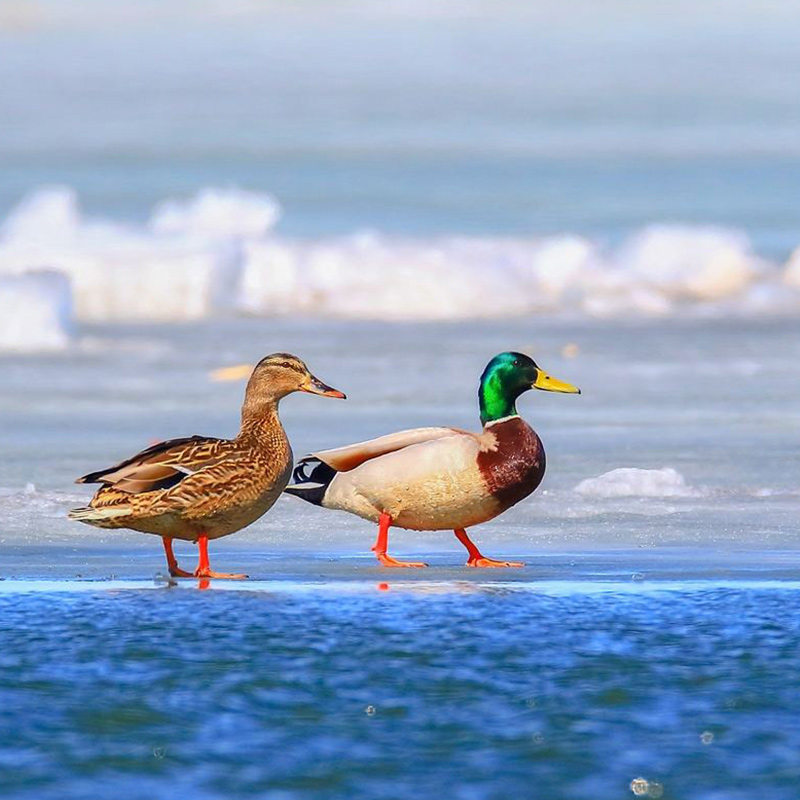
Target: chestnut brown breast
516,466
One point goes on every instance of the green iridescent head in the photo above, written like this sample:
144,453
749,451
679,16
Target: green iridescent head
506,377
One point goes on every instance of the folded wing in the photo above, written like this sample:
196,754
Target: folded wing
343,459
161,466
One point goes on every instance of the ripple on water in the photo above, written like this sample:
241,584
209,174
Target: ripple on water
394,695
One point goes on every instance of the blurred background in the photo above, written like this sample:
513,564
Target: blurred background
267,158
411,117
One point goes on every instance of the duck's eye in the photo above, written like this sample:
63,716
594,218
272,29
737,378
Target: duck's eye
517,362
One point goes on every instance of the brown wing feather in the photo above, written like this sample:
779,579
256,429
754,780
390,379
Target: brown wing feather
160,466
148,478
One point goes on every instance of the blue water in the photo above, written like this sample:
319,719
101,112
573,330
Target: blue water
427,690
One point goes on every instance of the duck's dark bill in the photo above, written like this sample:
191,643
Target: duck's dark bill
549,384
316,386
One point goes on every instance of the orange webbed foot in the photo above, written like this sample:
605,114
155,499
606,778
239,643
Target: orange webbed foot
209,573
484,562
380,547
389,561
476,558
204,567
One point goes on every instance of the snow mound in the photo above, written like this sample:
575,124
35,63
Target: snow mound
633,482
35,312
217,253
215,213
120,273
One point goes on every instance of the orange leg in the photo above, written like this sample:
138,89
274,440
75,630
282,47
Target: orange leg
172,562
475,557
382,542
204,567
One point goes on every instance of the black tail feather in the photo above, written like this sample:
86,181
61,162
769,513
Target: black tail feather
311,480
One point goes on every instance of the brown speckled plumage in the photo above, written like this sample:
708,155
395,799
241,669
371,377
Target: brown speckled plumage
202,486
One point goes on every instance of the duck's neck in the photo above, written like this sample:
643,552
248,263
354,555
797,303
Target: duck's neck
495,401
261,423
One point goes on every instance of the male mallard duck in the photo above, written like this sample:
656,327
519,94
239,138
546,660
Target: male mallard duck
439,478
201,488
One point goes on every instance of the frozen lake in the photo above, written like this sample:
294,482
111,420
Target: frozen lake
711,405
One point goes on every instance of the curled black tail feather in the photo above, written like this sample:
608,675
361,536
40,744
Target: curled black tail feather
311,480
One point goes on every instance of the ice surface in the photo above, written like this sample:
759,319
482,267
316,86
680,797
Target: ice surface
729,477
30,502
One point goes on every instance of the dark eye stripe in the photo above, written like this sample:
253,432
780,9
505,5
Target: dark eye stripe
288,365
285,361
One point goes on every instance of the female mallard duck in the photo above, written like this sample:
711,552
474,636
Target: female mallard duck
201,488
439,478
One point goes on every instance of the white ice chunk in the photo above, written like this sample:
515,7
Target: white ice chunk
698,263
216,252
633,482
565,267
374,277
35,311
50,213
216,213
120,273
791,274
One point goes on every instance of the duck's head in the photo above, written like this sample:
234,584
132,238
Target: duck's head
280,374
506,377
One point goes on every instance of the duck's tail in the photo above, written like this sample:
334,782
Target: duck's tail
99,517
311,480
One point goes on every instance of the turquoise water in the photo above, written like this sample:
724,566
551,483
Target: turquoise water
429,688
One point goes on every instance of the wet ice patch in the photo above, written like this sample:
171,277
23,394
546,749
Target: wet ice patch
633,482
29,510
30,498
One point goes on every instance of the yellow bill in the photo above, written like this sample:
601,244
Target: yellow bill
547,383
